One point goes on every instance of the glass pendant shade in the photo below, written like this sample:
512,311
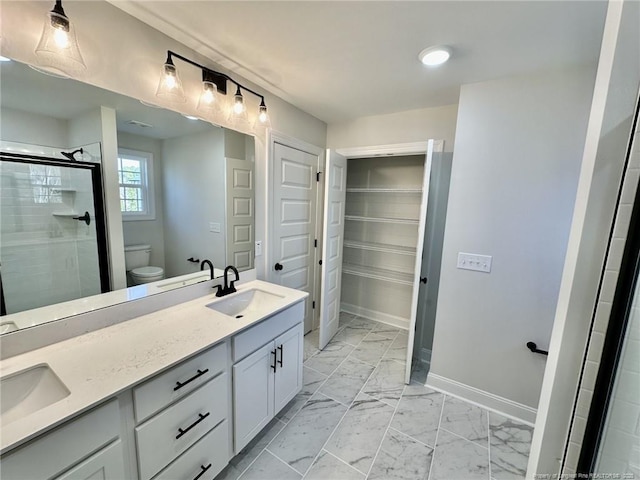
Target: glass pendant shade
238,115
170,85
209,101
263,119
58,49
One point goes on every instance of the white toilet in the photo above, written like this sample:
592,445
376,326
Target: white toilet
136,260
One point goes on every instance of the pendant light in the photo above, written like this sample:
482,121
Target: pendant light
209,101
58,49
170,85
263,119
238,116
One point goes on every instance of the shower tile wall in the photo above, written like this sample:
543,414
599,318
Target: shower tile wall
53,256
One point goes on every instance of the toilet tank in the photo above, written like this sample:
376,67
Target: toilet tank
136,256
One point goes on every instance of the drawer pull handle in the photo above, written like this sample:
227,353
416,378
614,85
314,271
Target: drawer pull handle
199,374
275,356
204,469
281,355
201,417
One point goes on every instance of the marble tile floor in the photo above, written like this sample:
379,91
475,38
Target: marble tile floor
355,419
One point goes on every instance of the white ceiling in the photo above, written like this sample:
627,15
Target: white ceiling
342,60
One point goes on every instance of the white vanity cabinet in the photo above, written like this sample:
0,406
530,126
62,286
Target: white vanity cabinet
182,418
91,439
268,371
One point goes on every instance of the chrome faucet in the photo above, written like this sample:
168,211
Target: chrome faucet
229,286
207,262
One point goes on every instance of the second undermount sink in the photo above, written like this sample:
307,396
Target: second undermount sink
28,391
252,301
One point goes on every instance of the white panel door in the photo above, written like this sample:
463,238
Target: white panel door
333,233
240,213
431,145
294,213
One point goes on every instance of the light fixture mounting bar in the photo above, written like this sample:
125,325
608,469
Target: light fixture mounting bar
209,75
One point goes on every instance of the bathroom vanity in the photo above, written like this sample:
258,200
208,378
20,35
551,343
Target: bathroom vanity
172,394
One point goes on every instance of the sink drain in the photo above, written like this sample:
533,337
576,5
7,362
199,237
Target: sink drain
239,316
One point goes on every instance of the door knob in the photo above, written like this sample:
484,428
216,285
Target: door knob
278,267
423,280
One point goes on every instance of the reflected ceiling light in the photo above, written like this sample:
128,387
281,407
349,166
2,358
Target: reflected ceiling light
214,84
191,117
58,47
434,56
4,59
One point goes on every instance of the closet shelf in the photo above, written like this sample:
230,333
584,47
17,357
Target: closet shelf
383,190
378,274
381,247
405,221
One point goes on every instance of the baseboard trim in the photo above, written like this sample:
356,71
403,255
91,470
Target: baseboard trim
393,320
481,398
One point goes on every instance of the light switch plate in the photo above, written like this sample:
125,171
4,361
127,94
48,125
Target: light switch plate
473,261
214,227
258,248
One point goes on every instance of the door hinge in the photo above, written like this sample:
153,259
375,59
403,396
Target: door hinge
313,305
318,176
315,243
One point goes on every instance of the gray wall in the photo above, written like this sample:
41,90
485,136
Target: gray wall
194,195
25,127
516,162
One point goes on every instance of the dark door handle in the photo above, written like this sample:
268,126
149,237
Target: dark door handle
275,356
203,469
179,385
84,218
181,431
423,280
278,267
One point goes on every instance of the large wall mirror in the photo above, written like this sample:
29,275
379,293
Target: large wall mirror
186,195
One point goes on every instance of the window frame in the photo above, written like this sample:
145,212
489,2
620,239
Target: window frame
147,186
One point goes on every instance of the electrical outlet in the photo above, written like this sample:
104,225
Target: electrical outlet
472,261
214,227
258,248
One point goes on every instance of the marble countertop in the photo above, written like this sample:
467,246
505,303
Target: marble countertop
103,363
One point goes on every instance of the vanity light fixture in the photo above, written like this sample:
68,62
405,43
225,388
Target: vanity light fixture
214,84
434,56
58,49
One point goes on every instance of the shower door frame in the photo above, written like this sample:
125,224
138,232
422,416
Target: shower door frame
98,203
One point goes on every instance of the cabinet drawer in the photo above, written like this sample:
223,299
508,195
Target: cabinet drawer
55,452
107,464
174,430
255,337
163,389
210,455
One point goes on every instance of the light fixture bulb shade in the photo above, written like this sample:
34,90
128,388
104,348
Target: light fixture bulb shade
434,56
263,119
238,113
170,85
58,49
209,100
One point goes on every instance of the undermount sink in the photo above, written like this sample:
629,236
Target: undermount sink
28,391
252,301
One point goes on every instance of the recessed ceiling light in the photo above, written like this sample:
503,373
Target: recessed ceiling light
191,117
4,59
434,56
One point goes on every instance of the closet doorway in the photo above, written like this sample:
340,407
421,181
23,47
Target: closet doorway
385,218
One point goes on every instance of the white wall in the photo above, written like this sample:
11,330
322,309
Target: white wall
404,127
194,195
25,127
147,232
516,161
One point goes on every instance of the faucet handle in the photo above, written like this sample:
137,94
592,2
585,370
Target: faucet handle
219,292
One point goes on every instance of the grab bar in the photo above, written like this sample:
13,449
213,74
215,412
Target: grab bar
534,349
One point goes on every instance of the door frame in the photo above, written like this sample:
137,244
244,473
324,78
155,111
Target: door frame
274,137
395,150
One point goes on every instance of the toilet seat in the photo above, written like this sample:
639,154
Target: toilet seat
147,272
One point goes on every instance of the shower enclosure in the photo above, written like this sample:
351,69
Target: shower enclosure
52,229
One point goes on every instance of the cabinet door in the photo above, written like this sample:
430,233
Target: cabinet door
253,394
288,376
108,463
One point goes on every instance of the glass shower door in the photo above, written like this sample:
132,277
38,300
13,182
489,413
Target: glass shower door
52,238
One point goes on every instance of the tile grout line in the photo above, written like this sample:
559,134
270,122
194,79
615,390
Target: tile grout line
269,451
433,457
489,442
353,401
341,460
463,438
375,457
412,438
